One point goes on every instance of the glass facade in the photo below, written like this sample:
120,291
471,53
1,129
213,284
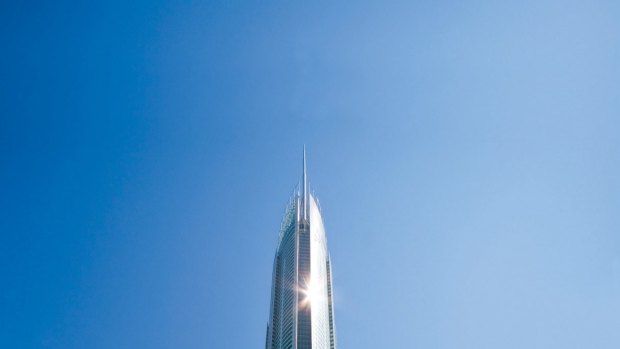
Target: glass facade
301,314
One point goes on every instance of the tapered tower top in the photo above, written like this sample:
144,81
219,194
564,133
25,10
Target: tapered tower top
304,194
302,310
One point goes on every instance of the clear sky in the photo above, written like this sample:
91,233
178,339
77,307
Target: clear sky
466,155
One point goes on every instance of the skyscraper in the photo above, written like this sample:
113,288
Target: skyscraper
302,312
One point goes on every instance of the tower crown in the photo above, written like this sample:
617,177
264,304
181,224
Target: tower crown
302,314
304,186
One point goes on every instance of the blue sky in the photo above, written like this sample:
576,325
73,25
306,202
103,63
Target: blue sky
466,155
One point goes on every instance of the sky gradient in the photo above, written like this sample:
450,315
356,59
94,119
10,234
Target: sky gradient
466,155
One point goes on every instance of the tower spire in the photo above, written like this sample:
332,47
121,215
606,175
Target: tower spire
304,195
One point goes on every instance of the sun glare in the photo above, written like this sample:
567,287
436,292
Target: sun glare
311,293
